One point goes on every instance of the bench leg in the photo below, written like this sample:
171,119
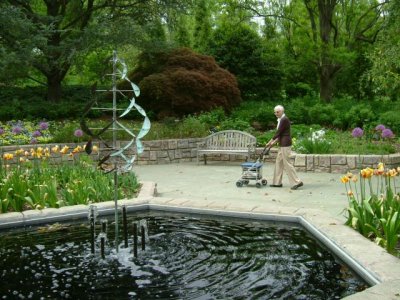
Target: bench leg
205,158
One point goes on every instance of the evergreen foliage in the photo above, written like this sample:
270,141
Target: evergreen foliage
259,75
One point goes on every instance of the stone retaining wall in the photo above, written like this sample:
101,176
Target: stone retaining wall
185,150
337,163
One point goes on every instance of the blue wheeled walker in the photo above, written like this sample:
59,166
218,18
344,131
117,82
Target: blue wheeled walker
253,171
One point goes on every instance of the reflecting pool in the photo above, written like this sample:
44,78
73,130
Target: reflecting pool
186,257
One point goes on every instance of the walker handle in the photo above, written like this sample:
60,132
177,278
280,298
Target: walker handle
265,151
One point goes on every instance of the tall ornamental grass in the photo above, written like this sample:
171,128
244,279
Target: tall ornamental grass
374,205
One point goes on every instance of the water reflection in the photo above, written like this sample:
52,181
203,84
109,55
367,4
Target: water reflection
186,257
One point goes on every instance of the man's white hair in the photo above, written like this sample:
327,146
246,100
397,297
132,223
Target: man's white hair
279,108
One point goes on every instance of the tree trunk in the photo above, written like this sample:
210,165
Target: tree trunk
327,67
54,88
325,84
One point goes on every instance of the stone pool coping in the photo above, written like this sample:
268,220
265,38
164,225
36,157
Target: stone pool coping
382,268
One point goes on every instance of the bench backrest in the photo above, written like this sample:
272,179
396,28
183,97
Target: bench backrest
230,139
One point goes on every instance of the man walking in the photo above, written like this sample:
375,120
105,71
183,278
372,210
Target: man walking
282,136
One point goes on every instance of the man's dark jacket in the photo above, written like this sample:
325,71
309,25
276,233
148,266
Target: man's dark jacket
283,133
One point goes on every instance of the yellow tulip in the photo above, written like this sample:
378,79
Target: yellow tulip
367,173
55,149
344,179
8,156
349,174
77,149
64,150
19,151
350,193
354,178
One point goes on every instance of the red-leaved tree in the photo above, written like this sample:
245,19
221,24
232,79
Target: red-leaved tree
181,82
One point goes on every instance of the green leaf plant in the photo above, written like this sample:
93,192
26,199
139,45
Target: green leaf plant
29,181
375,212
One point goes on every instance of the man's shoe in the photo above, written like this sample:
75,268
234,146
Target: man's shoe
296,186
275,185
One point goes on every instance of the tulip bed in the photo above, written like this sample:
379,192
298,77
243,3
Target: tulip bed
374,205
32,182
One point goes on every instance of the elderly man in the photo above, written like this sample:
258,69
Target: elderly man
282,136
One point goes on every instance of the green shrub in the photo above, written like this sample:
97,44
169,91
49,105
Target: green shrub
65,132
263,138
235,124
302,131
391,119
297,110
358,116
192,127
212,118
322,114
28,103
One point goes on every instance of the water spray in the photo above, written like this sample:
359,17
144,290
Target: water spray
125,226
135,239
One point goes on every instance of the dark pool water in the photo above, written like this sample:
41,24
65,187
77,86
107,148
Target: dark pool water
186,257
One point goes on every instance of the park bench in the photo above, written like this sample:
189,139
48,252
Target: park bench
227,142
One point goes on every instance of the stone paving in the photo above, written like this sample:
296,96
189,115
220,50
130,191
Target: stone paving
319,205
320,202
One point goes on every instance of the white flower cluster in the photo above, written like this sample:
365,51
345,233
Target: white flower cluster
317,136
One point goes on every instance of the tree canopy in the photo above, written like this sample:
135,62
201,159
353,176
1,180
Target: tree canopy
49,35
276,49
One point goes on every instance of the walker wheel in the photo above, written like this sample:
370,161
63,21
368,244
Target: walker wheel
258,184
239,183
264,181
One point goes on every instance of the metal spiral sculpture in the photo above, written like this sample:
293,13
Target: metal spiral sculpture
120,71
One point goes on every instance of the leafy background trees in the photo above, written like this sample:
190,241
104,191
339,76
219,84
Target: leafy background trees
334,52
